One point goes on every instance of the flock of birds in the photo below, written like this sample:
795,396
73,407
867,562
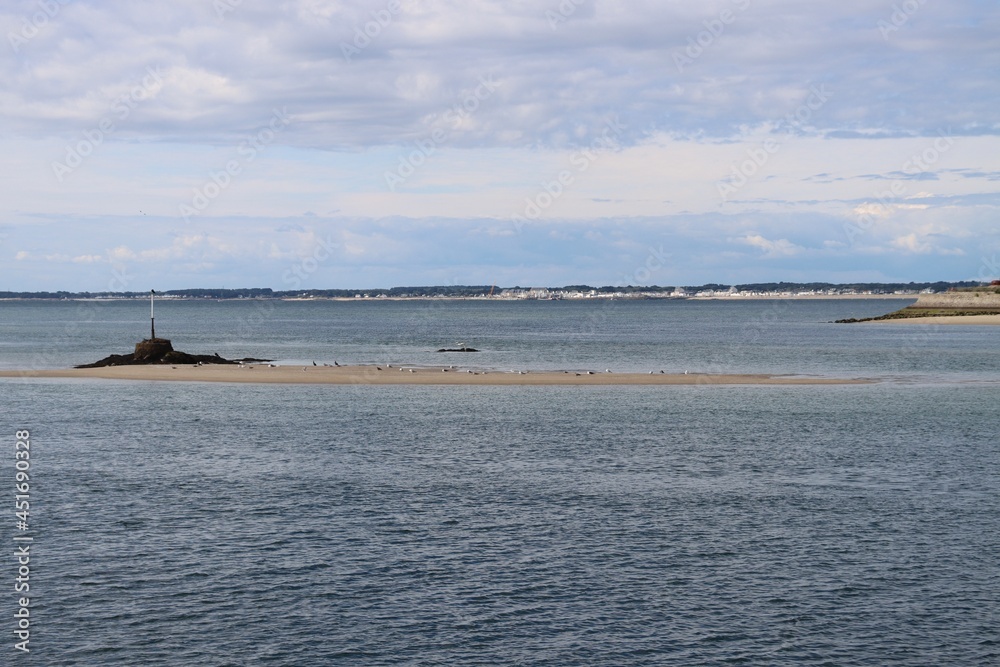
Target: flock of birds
413,370
452,368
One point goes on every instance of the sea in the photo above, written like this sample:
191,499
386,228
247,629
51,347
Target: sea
239,524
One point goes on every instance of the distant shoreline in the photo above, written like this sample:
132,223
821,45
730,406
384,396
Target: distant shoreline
411,375
599,297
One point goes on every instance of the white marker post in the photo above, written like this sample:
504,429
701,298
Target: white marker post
152,320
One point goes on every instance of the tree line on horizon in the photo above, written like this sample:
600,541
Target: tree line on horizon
478,290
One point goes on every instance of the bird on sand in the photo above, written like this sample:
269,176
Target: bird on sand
315,364
335,363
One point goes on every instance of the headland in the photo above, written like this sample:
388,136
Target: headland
980,305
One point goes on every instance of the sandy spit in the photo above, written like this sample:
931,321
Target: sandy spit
944,319
370,375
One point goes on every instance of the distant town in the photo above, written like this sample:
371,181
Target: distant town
571,292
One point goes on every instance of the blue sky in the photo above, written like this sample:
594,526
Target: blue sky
315,144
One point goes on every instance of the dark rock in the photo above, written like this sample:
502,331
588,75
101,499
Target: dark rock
151,350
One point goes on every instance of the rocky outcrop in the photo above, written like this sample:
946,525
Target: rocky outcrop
160,351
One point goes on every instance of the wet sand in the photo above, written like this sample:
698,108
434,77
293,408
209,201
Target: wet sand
370,375
963,320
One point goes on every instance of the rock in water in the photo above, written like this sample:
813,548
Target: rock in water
159,351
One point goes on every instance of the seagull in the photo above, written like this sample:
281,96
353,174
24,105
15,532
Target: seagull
590,372
444,370
650,372
607,370
412,371
335,363
661,372
377,368
578,375
685,372
401,370
315,364
304,368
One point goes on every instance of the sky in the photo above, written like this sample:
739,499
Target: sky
310,144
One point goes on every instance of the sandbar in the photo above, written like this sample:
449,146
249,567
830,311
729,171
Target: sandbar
411,375
944,319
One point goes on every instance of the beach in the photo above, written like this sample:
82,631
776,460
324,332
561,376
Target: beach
411,375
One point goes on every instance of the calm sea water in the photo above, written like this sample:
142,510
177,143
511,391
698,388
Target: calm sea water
184,524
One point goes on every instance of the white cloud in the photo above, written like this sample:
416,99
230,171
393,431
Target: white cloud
778,248
912,243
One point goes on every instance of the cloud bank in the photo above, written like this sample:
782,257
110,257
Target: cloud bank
193,143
